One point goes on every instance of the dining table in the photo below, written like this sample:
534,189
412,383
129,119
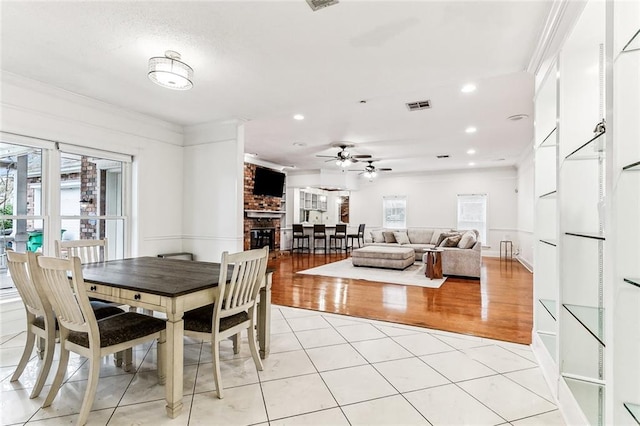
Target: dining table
170,286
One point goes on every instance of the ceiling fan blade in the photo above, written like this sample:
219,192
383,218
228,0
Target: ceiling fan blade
361,156
384,169
326,156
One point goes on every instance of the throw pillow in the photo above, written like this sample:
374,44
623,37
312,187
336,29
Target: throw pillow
377,237
468,240
389,237
444,235
451,241
401,237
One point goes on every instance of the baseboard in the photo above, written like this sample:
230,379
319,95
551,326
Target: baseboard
524,263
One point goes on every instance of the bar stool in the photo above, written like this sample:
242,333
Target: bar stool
319,233
298,238
340,234
358,236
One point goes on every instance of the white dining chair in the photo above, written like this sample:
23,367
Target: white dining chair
89,251
235,309
82,333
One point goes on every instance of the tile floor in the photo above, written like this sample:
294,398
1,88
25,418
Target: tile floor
323,370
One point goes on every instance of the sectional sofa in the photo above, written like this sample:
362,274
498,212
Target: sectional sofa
462,249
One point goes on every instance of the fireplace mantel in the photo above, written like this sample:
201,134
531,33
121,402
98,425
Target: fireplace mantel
261,214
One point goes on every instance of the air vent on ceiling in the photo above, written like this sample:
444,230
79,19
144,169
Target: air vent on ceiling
414,106
442,156
319,4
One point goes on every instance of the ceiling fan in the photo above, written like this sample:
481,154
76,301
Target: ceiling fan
344,158
370,171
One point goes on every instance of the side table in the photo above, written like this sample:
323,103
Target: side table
432,259
508,248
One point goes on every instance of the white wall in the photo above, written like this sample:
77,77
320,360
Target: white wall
213,190
432,200
33,109
524,241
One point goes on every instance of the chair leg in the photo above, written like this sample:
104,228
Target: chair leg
46,366
215,357
92,387
117,359
161,357
26,355
127,364
251,331
236,343
57,381
40,344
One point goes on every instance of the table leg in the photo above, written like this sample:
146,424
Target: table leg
264,318
429,266
174,363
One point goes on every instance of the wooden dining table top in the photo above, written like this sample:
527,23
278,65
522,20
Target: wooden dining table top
154,275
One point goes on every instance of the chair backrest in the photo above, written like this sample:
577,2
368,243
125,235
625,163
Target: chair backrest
361,230
298,230
247,276
319,230
70,302
341,230
89,251
34,300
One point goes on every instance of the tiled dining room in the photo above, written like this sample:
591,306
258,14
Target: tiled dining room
324,369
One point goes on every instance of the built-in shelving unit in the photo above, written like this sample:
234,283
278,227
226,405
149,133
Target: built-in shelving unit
586,320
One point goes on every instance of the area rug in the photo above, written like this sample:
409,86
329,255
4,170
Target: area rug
413,275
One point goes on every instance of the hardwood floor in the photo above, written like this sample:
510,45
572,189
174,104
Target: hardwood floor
498,306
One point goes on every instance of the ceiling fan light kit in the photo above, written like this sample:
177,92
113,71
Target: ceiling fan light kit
170,72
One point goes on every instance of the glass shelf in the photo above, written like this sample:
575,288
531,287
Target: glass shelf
634,410
550,242
583,153
633,281
586,235
551,194
549,341
590,396
590,318
550,306
633,167
633,44
548,141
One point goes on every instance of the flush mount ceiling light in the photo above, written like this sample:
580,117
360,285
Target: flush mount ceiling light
468,88
170,72
471,151
298,117
471,130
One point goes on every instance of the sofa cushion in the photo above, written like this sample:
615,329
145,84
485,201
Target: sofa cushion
451,241
468,240
377,237
388,237
444,235
436,235
420,236
401,237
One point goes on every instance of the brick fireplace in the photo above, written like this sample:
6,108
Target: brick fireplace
262,216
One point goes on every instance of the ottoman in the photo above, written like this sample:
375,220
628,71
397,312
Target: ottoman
383,257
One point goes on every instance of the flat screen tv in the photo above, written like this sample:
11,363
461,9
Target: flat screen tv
268,182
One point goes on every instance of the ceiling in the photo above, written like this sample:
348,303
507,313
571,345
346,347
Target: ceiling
264,61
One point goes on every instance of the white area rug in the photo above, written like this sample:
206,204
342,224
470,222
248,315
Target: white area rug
413,275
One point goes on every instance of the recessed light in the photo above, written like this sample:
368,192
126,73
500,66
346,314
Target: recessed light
470,129
298,117
471,151
468,88
471,164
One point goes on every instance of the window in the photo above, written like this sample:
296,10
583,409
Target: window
472,213
394,211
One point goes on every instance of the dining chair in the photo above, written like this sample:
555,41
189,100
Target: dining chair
41,321
89,251
299,238
319,233
358,236
339,235
80,330
235,309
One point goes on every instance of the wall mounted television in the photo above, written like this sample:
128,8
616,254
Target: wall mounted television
268,182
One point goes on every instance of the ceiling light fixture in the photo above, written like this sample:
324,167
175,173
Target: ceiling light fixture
471,151
471,164
298,117
170,72
471,130
468,88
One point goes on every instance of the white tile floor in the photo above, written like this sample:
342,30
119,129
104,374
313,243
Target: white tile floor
323,370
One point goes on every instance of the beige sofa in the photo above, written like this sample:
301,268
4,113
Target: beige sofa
456,260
